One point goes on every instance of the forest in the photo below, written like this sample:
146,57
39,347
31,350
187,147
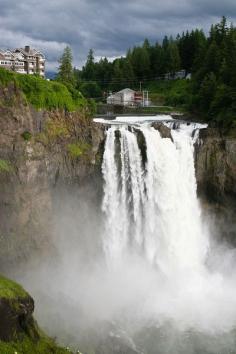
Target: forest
210,59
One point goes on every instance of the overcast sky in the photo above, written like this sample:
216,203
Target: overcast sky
107,26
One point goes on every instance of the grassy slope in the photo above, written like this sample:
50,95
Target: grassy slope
12,291
43,346
43,94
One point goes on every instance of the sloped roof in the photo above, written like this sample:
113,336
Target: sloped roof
6,52
31,52
126,90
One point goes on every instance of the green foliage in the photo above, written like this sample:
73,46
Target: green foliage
65,71
173,57
89,68
43,94
27,346
6,77
78,149
55,131
5,166
207,91
214,77
140,64
26,136
175,93
11,290
46,94
91,89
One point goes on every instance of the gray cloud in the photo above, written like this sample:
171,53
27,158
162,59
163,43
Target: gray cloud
109,27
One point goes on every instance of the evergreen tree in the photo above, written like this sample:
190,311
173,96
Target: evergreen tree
89,68
174,57
65,70
207,91
140,62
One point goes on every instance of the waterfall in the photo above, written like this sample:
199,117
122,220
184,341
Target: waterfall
150,203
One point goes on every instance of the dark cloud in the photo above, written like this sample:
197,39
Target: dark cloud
107,26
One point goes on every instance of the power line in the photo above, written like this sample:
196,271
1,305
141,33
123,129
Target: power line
113,81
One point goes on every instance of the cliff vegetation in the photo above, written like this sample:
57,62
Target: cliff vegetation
43,94
19,333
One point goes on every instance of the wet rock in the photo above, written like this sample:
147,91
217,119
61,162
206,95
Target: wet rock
216,164
16,312
216,179
164,130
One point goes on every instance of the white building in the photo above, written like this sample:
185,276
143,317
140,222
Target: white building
125,97
23,61
181,74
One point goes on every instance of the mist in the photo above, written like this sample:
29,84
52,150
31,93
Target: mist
84,299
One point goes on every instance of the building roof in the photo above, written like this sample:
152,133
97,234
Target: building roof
125,90
6,52
29,52
119,93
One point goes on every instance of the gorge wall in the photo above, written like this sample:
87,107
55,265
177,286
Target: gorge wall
216,178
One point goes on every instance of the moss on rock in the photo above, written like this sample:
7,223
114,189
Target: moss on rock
19,332
11,290
5,166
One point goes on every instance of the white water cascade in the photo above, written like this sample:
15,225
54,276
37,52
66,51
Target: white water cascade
159,253
150,203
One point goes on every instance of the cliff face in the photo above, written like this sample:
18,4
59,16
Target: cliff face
216,177
39,151
216,164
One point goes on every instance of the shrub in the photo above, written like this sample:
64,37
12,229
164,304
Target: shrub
43,94
78,149
26,135
56,129
5,166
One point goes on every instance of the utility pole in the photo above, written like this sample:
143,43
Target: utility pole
145,98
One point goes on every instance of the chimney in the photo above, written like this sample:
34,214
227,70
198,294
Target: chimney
27,48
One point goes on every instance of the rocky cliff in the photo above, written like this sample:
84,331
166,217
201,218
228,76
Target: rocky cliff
216,177
39,151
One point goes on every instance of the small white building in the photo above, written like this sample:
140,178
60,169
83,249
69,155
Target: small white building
125,97
181,74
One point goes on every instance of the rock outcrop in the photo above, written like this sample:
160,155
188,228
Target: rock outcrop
216,164
16,309
18,330
216,178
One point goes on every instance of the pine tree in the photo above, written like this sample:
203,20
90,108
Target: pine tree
174,57
65,70
89,68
